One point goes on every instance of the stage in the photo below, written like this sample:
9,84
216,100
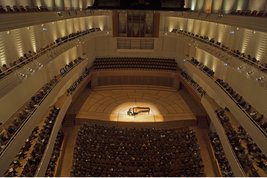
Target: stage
113,102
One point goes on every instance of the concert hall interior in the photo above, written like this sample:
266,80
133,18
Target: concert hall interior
133,88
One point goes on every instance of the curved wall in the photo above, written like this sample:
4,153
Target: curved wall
225,6
51,4
14,43
235,37
252,91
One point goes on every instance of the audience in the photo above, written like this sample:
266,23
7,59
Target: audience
253,13
21,8
242,56
254,115
30,56
111,151
202,67
72,88
243,151
50,172
135,63
71,65
34,148
199,90
220,156
23,115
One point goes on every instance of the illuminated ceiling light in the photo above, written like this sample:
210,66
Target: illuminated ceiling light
8,32
28,28
254,31
237,28
42,25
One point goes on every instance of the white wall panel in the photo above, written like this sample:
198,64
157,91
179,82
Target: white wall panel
256,4
200,4
67,4
59,4
7,2
23,2
242,4
217,6
229,6
207,6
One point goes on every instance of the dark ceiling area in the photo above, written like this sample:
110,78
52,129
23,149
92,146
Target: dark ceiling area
168,5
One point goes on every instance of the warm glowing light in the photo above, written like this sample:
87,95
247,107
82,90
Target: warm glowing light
193,5
228,6
90,2
119,114
216,6
245,40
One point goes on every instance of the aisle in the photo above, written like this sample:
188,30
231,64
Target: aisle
70,136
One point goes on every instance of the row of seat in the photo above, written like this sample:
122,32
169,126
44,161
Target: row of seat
236,53
253,13
30,155
225,168
134,63
75,84
20,8
30,56
202,67
137,59
246,153
51,168
254,152
113,151
251,112
14,124
64,70
199,90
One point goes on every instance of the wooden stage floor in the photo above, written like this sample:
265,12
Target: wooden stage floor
112,103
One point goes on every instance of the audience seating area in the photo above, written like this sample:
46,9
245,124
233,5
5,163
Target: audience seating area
50,172
28,159
30,56
64,70
73,87
220,156
16,9
253,13
11,127
247,153
254,115
202,67
14,124
113,151
258,119
141,63
236,53
199,90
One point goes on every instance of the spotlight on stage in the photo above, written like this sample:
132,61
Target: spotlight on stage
136,112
